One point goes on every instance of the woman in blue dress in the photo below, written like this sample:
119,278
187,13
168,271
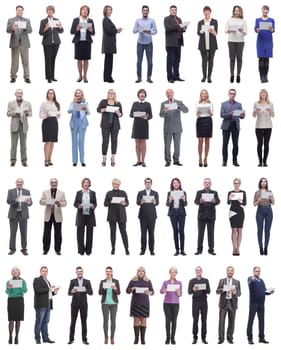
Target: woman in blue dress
264,26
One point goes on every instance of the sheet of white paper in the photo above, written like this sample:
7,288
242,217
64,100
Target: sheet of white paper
50,201
204,111
172,287
177,195
171,106
54,23
108,285
148,199
228,287
235,196
139,114
235,27
24,198
207,197
201,286
265,25
266,194
21,24
237,112
206,28
85,25
78,106
81,289
111,109
141,290
117,200
184,24
16,283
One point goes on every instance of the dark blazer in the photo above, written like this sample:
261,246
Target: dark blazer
227,117
115,292
51,35
76,32
234,299
108,36
79,215
207,210
147,210
11,200
105,115
183,204
116,212
41,293
172,31
79,298
212,38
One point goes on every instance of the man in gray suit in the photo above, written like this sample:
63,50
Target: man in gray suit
19,200
231,112
19,111
171,110
229,290
19,28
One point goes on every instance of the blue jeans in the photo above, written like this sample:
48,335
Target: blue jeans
41,322
178,222
78,142
148,48
264,218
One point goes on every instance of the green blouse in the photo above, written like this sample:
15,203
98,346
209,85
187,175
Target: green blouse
16,292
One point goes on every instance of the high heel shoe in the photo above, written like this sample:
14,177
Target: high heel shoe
50,163
46,163
112,161
103,163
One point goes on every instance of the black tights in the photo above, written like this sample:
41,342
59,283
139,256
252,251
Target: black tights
11,327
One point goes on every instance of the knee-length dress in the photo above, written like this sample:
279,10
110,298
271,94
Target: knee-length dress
140,301
264,38
236,210
140,125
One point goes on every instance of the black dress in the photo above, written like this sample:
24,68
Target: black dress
140,301
236,213
140,125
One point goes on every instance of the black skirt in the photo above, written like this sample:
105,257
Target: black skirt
16,309
82,50
50,129
204,127
139,311
140,129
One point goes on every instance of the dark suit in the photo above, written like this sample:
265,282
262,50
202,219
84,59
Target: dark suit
177,217
230,126
206,216
174,42
227,306
147,216
18,215
82,47
117,214
108,46
76,32
109,309
79,304
51,42
207,54
83,220
42,304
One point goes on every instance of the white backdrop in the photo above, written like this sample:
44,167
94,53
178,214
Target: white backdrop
36,176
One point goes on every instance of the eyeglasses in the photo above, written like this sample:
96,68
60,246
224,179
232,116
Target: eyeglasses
236,183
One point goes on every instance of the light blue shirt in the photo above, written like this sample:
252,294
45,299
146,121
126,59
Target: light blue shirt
147,24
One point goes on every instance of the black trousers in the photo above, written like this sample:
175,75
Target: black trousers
122,229
207,62
75,309
109,133
85,247
171,314
173,62
234,132
259,310
108,66
199,307
263,137
50,54
147,226
47,234
235,54
201,230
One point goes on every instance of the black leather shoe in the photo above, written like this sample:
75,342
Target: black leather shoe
167,341
58,253
83,164
261,250
27,80
263,341
202,81
152,253
265,251
50,80
194,341
85,341
183,252
209,80
220,341
16,340
138,80
11,252
235,163
177,163
13,80
198,252
85,80
141,253
238,79
13,163
70,342
179,79
24,251
171,81
112,251
168,164
176,253
38,341
173,342
127,252
232,78
250,341
264,164
211,252
204,341
48,341
148,80
79,80
224,164
24,163
230,341
54,79
137,164
74,164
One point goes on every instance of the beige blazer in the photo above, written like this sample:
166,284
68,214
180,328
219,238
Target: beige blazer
60,202
21,117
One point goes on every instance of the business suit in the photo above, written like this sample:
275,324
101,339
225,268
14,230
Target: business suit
230,126
19,127
172,128
52,216
207,54
109,308
227,306
174,42
147,216
206,216
19,44
108,47
51,42
85,219
18,215
43,304
117,214
79,304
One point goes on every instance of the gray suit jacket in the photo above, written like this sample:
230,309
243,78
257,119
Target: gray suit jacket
227,117
17,118
12,201
19,36
234,299
172,118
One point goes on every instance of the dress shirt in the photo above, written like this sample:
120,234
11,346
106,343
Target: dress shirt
148,24
229,293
